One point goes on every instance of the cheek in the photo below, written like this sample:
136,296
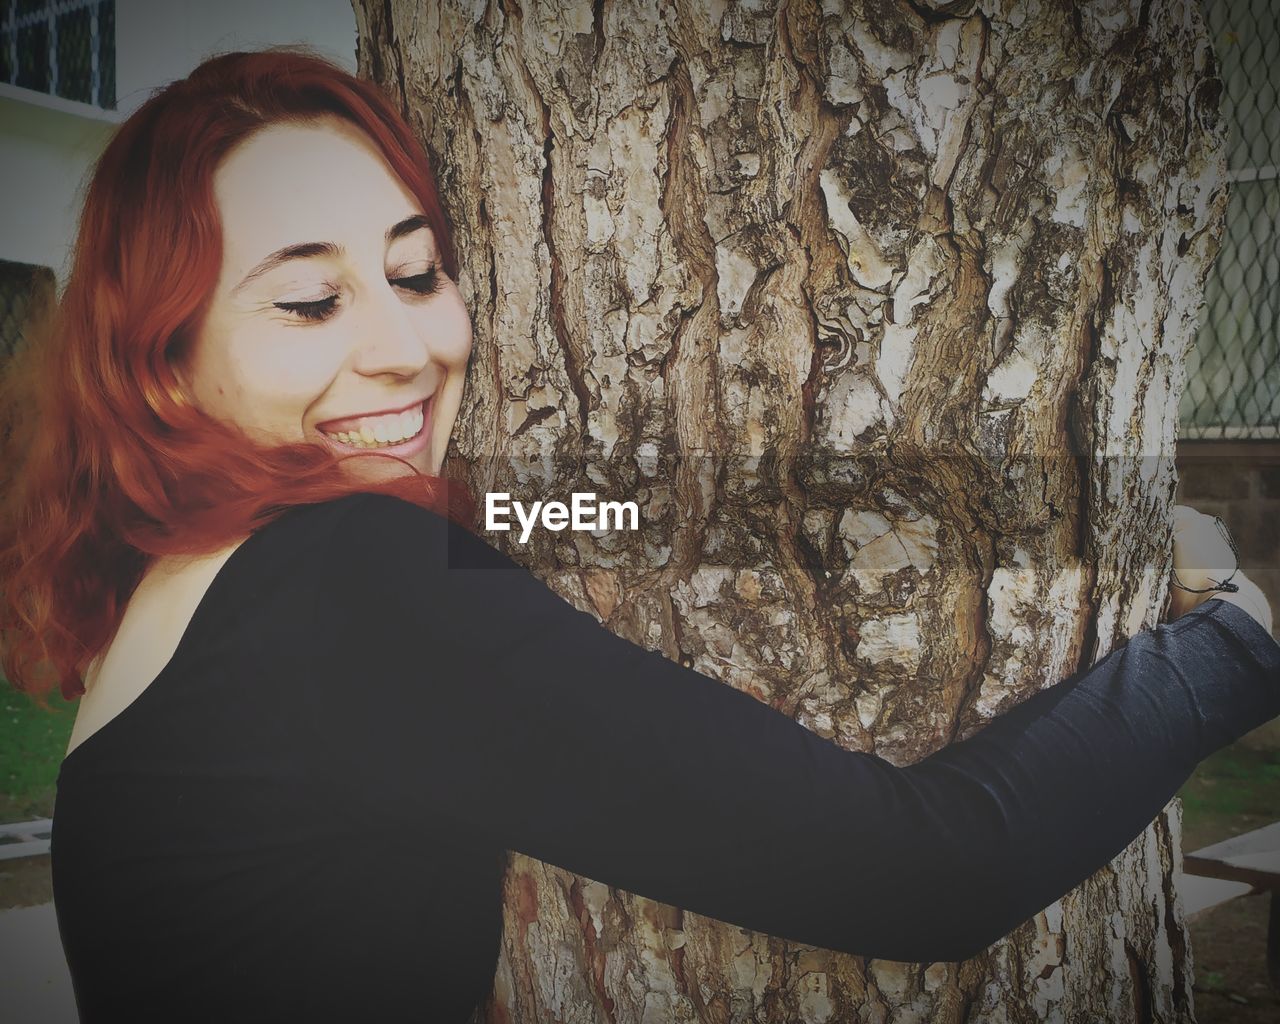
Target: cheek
299,366
453,333
272,382
212,379
444,325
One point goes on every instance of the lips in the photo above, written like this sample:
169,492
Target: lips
410,448
355,422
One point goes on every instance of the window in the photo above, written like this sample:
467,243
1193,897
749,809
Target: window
1233,369
65,48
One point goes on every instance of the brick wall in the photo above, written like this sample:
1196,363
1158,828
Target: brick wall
1240,482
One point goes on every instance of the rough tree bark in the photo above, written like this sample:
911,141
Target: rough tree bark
879,309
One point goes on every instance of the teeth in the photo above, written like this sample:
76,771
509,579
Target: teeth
381,431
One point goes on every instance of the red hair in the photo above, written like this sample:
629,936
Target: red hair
107,463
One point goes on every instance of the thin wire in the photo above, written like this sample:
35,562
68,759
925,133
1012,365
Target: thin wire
1224,586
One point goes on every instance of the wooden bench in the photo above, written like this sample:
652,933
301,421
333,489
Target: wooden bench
25,838
1237,867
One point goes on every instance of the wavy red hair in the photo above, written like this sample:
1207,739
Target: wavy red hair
107,464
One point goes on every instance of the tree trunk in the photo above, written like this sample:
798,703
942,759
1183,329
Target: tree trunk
879,311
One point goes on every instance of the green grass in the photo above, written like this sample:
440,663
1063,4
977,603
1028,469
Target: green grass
32,743
1234,791
1214,981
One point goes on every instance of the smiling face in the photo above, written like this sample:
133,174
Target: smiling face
332,320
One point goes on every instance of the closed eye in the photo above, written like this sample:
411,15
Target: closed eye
426,283
318,309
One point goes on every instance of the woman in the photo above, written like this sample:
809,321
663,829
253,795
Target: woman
316,713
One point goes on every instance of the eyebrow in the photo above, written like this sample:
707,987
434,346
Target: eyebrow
304,250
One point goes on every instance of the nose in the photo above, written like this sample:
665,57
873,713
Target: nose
390,340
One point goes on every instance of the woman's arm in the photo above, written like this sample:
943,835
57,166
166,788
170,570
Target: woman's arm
477,699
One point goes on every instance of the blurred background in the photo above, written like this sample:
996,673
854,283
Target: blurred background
71,71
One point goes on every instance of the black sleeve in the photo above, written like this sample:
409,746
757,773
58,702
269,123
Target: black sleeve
469,696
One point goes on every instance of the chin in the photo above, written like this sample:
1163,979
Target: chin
430,462
369,469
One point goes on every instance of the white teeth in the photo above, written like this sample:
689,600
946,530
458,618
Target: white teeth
381,431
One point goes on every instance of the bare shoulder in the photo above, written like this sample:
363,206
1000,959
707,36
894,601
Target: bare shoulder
162,606
154,620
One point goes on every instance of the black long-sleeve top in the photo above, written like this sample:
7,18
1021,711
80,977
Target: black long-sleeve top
305,815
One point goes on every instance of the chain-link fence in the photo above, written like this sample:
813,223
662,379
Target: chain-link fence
1233,371
24,289
65,48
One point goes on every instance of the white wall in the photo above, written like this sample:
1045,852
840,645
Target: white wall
48,145
158,41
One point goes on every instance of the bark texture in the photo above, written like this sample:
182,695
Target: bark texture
879,310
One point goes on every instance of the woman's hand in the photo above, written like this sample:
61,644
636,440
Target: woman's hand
1202,557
